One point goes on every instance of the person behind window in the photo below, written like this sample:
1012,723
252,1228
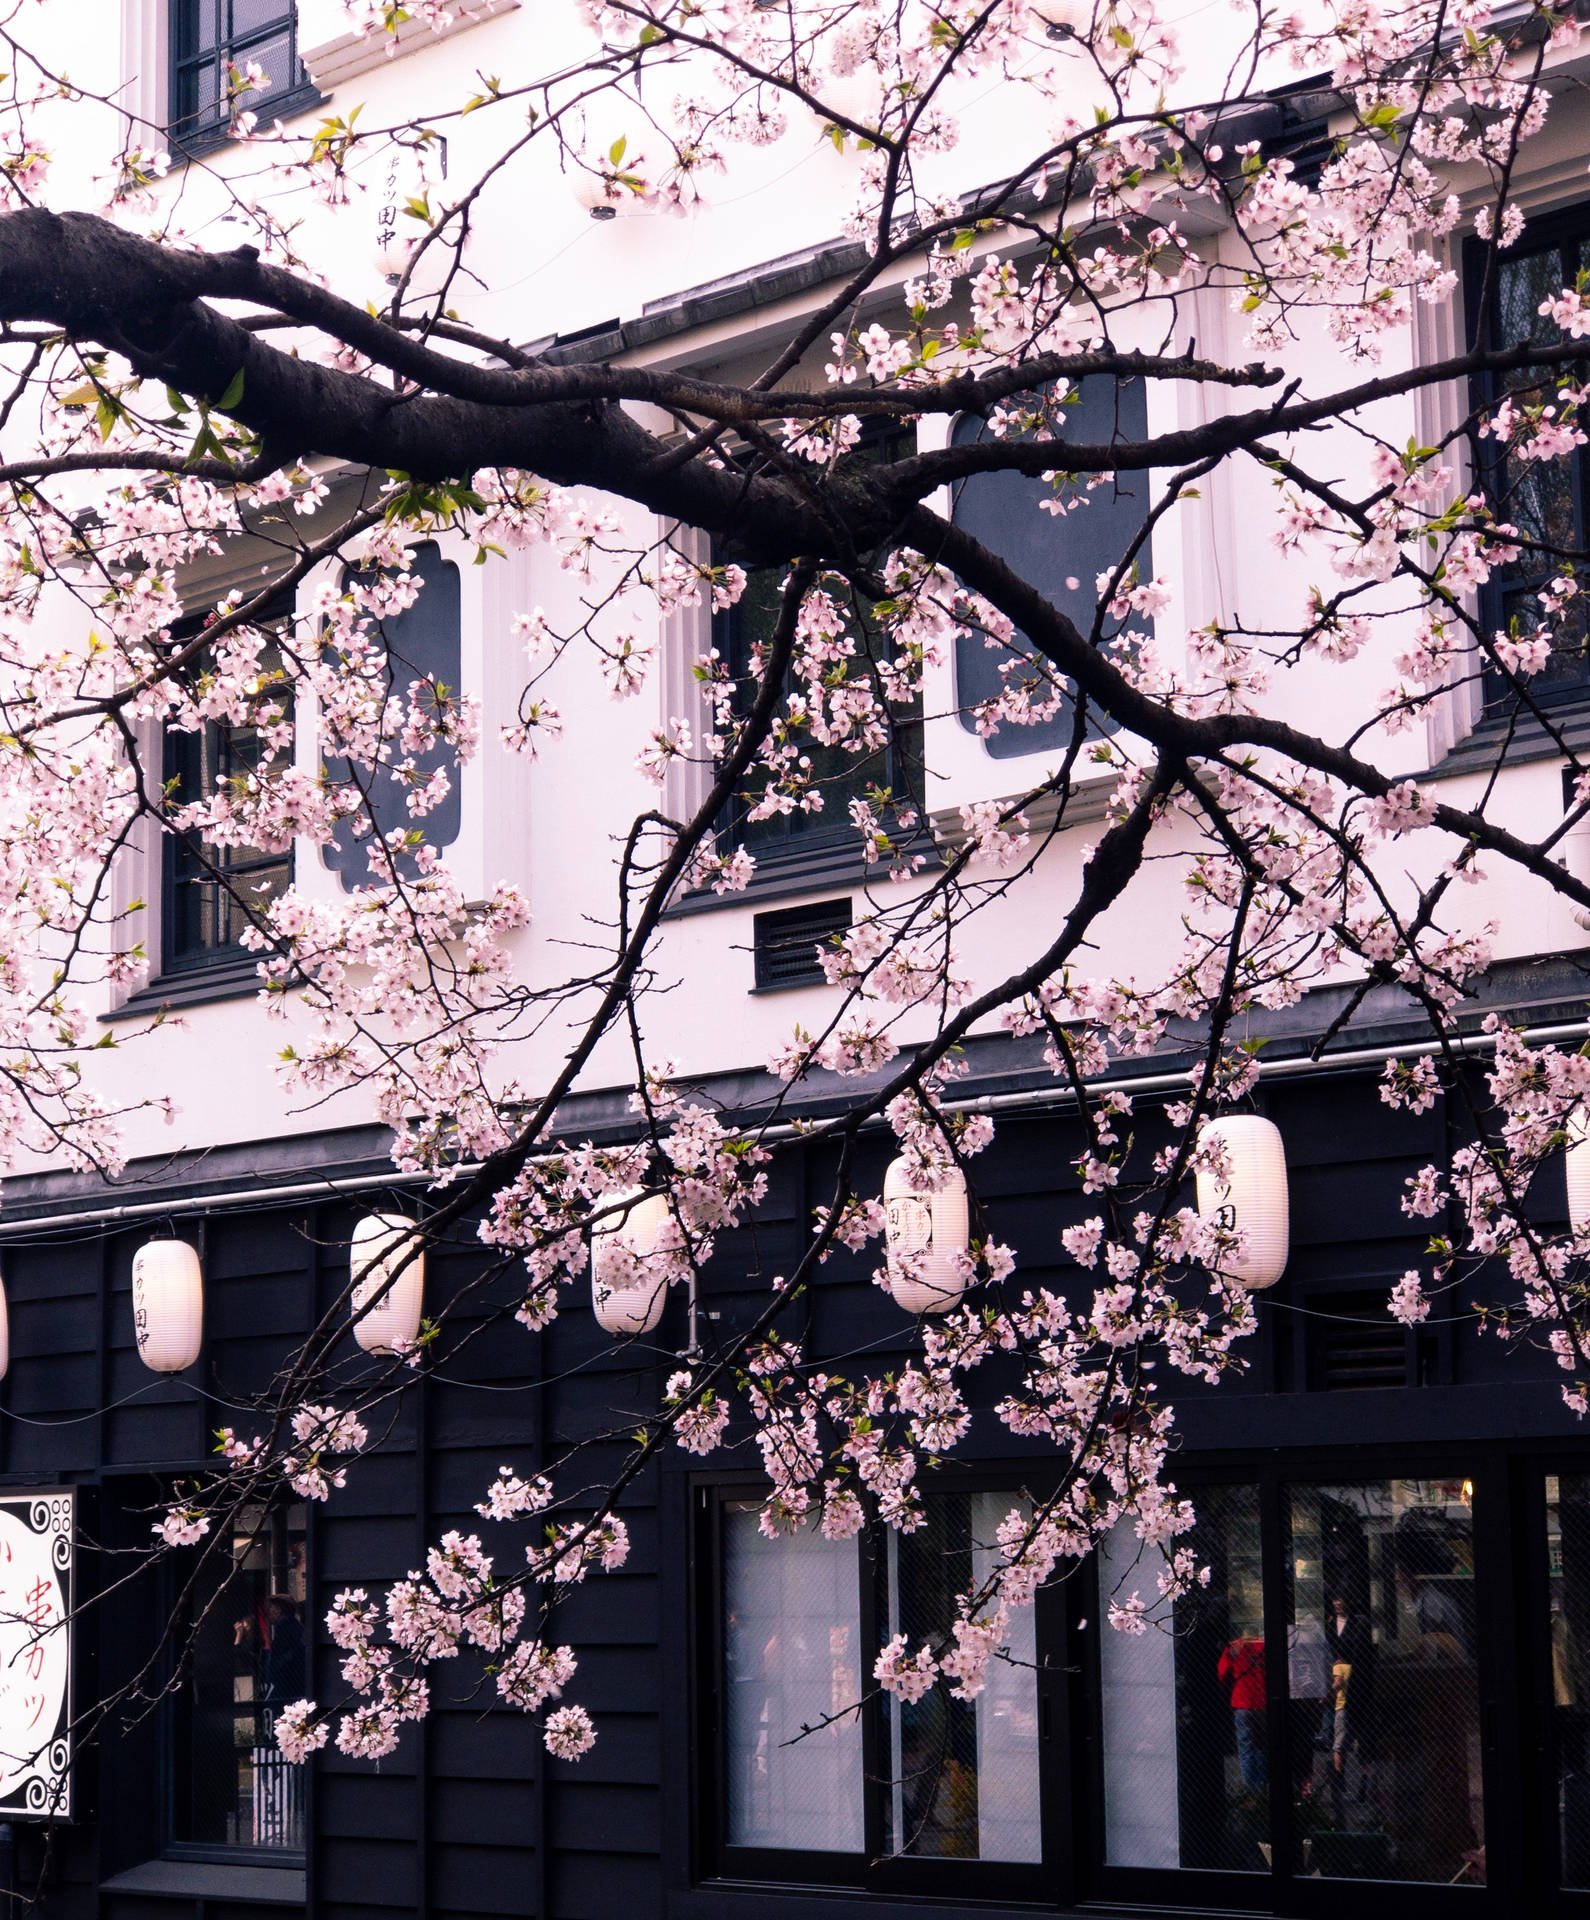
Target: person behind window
1241,1671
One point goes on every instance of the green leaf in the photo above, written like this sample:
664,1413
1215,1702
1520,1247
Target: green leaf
233,394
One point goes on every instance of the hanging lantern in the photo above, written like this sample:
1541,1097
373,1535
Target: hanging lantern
413,174
1063,19
1577,1166
379,1243
5,1333
1254,1194
928,1236
629,1286
168,1305
609,178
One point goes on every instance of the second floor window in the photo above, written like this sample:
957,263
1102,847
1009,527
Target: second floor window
213,892
1061,554
1544,499
211,37
835,775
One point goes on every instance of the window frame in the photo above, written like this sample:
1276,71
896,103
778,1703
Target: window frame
190,141
222,964
828,853
1054,736
717,1862
1556,228
1518,1766
217,1852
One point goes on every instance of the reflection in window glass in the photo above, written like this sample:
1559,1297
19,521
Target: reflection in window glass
1384,1729
1186,1749
1568,1563
230,1785
792,1647
963,1774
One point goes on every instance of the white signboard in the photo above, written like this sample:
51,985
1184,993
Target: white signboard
36,1535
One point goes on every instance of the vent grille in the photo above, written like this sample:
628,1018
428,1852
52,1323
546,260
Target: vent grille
1358,1346
785,944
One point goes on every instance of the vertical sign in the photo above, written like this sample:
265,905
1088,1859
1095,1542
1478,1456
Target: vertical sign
36,1535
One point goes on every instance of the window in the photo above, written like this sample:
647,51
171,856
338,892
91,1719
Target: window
1005,512
1568,1575
210,36
1545,499
228,1785
1384,1683
823,1778
823,835
1314,1711
423,644
213,891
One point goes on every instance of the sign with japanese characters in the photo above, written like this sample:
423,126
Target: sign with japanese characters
36,1535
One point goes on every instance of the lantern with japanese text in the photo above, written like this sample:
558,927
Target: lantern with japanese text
168,1305
376,1260
928,1236
1251,1197
629,1274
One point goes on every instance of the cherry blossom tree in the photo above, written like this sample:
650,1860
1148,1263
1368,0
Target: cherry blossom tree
164,397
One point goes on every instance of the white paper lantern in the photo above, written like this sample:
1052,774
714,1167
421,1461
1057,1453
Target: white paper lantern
5,1334
379,1243
610,123
1255,1195
933,1227
168,1305
621,1303
1577,1167
1063,19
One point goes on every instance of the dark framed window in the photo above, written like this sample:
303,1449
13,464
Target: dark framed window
1061,555
822,837
213,892
228,1789
1381,1696
1545,499
811,1773
208,37
1321,1710
424,649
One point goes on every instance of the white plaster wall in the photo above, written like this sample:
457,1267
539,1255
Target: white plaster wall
553,827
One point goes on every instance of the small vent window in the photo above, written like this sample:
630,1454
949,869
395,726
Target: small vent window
1354,1343
786,944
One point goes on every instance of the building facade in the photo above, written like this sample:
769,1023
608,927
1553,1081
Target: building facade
1383,1695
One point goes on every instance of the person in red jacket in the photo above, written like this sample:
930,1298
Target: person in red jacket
1241,1671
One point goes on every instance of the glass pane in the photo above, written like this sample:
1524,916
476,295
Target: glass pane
422,644
1186,1757
963,1774
231,1786
195,25
275,58
791,1655
834,774
1541,497
217,891
1005,512
1568,1563
1384,1728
